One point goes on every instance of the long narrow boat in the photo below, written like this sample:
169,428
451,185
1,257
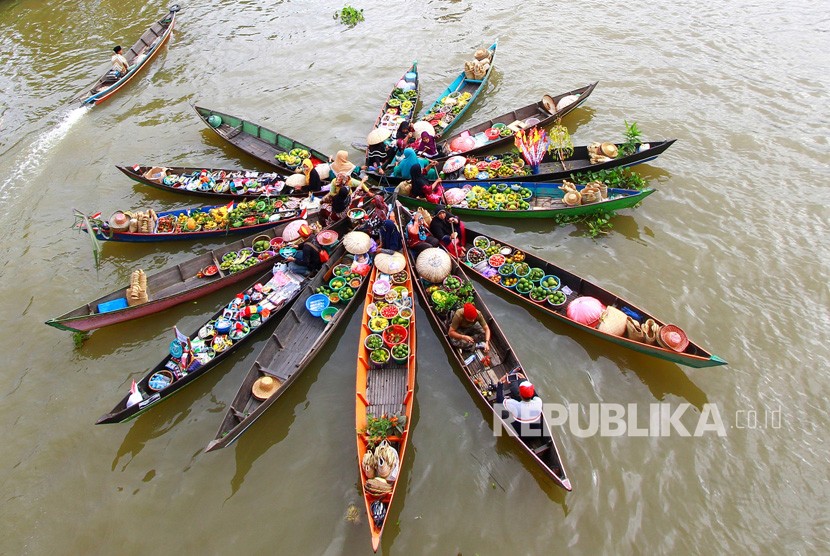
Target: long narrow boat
174,285
539,200
384,394
541,113
192,357
137,57
272,148
549,170
401,103
483,371
444,119
212,183
294,344
243,217
575,286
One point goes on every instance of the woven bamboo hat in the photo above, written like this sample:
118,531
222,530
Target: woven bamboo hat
264,387
378,135
119,221
672,337
609,150
357,243
549,103
295,180
434,264
390,264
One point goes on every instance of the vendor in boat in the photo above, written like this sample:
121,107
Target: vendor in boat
378,211
379,152
312,177
446,224
422,187
523,405
340,202
417,236
468,328
389,237
425,146
342,165
119,62
307,259
405,136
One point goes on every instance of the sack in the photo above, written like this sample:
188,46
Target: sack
368,464
613,321
634,331
650,329
404,188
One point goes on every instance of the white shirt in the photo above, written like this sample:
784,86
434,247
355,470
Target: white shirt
119,63
524,411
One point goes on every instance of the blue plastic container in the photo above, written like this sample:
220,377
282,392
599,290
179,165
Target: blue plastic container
114,305
317,303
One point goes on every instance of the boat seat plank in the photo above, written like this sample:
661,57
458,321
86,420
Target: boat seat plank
386,386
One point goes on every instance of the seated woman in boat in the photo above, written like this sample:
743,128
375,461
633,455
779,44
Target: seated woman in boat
419,177
342,165
417,236
446,224
379,151
405,136
307,259
389,237
469,328
119,62
378,211
425,146
313,181
523,405
340,202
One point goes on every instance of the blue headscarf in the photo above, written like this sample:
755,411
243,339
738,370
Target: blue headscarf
410,159
390,236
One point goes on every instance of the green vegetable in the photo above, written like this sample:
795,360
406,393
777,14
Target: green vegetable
349,16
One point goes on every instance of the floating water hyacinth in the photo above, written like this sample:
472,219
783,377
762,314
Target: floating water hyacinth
533,144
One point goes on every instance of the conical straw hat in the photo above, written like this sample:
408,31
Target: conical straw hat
390,264
434,264
378,135
357,243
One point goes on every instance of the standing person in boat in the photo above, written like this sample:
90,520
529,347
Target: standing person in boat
307,259
340,202
523,405
468,328
378,211
119,62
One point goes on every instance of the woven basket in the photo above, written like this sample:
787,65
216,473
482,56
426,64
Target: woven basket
613,321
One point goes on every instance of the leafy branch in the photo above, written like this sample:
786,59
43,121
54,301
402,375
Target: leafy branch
349,16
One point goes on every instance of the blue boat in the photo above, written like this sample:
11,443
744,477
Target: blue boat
444,115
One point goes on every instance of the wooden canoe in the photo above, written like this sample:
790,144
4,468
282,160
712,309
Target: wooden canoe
539,111
545,203
550,170
482,379
386,391
256,140
286,354
169,287
138,56
460,85
390,120
290,210
219,183
693,356
151,398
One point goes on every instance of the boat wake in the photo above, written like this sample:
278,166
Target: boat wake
33,157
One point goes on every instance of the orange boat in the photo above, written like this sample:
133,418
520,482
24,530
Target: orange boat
385,389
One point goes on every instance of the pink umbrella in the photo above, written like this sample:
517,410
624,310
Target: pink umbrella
462,144
586,310
454,163
292,230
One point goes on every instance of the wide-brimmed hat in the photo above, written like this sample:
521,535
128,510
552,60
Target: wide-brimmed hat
434,264
609,150
119,221
264,387
549,103
390,264
296,181
292,230
454,163
422,126
672,337
357,243
378,135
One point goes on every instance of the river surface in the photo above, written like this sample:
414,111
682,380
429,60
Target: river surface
733,247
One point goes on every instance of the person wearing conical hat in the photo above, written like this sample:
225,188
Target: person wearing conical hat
379,152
